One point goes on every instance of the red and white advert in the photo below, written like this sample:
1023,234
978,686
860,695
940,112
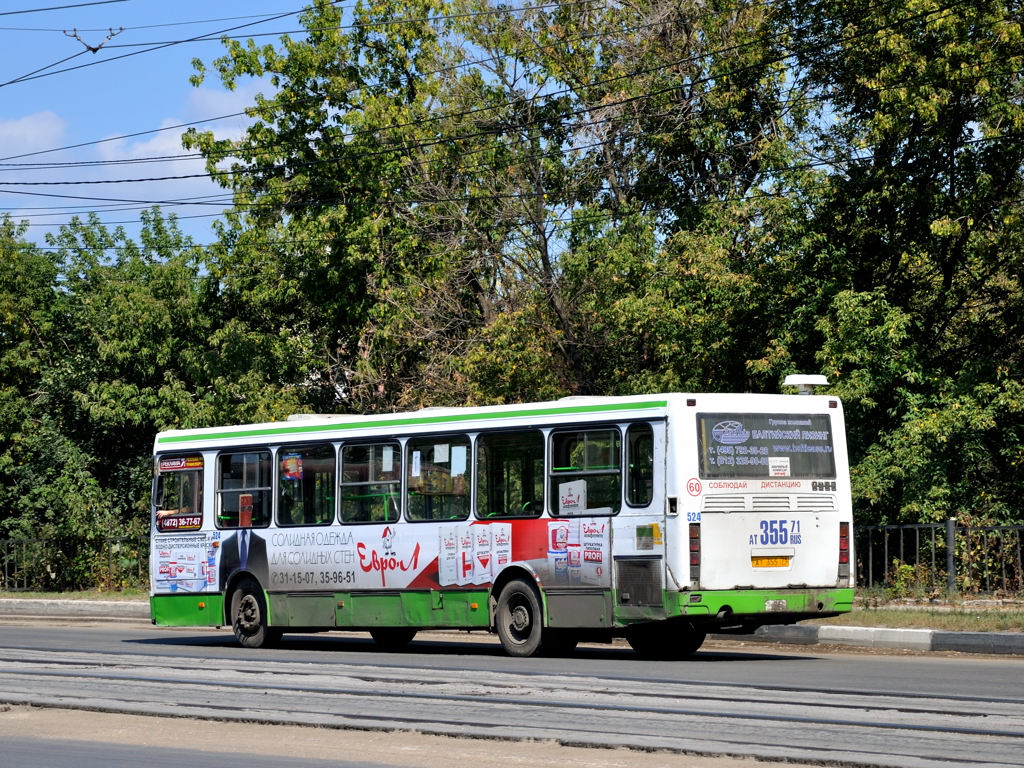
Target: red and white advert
594,542
466,567
501,547
572,498
448,556
481,554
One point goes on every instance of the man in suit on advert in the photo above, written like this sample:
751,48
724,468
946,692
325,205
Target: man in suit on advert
244,550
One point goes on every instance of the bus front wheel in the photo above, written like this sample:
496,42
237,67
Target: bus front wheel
518,619
249,616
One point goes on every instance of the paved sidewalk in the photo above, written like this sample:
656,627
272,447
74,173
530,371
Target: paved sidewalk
796,634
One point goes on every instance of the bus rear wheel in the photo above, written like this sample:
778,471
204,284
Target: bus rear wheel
518,619
665,642
249,616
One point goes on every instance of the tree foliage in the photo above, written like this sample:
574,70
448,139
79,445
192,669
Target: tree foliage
460,202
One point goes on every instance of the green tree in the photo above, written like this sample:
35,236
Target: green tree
614,149
916,242
424,204
105,342
313,233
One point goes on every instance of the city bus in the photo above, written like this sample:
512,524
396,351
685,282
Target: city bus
654,518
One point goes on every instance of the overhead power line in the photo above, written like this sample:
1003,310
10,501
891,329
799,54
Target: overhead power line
140,26
38,74
220,34
546,97
457,138
60,7
122,136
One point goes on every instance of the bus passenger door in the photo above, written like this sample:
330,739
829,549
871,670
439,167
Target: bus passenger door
641,532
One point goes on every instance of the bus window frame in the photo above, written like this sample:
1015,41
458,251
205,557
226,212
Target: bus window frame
220,491
279,452
627,470
702,452
542,433
407,447
195,509
399,458
613,427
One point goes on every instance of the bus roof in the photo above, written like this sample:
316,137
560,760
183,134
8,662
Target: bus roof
566,410
308,425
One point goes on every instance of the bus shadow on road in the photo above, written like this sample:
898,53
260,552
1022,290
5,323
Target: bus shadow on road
360,645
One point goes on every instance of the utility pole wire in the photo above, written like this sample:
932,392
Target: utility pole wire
60,7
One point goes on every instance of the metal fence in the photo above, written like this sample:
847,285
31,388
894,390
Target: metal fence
940,557
45,565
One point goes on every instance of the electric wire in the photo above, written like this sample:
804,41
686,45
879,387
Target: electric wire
498,106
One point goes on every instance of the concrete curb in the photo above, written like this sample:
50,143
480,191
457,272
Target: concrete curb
80,609
883,637
796,634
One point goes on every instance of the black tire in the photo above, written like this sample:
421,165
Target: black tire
518,619
249,616
665,642
392,638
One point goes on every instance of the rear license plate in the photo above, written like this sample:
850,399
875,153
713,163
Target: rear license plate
769,562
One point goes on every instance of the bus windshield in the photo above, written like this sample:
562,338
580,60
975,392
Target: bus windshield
756,445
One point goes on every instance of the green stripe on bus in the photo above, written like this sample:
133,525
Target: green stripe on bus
751,602
408,421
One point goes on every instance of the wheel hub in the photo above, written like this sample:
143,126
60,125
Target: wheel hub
520,618
249,613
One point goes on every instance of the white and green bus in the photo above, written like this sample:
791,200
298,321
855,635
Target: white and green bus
656,518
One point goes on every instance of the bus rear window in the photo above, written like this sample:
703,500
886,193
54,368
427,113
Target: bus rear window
756,445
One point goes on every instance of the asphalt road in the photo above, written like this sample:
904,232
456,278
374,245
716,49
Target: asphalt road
733,699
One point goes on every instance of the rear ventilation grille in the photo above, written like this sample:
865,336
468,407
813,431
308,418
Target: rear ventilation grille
724,503
770,503
638,582
818,502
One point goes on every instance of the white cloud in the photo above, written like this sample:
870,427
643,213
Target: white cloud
207,102
41,130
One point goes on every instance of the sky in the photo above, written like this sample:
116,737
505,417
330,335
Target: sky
70,116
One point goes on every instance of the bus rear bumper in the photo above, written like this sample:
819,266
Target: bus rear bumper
743,611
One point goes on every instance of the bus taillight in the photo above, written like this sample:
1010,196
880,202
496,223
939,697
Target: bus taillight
844,551
694,553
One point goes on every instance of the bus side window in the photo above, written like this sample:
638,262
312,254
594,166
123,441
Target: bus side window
243,495
640,465
437,469
305,483
510,474
371,477
586,472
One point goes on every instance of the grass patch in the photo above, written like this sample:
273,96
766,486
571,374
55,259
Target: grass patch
949,618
